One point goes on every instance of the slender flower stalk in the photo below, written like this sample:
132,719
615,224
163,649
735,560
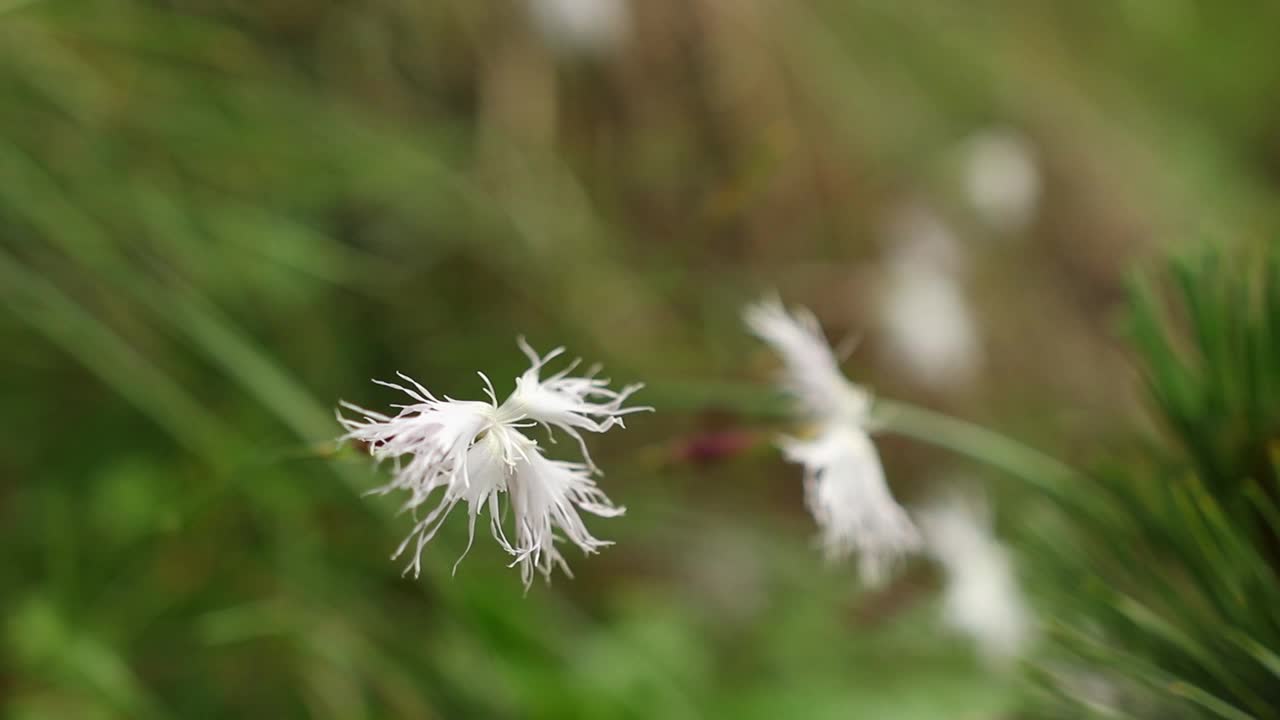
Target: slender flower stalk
445,452
1038,469
891,417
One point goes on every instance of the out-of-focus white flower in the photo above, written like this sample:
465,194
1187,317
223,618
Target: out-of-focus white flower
981,598
844,482
929,327
1001,179
582,26
846,492
917,237
811,372
473,452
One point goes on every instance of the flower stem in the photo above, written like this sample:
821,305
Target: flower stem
978,443
988,447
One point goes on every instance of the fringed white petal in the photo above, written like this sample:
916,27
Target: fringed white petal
811,372
569,403
546,497
487,476
846,492
435,434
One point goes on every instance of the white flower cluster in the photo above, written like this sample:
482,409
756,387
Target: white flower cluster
474,452
844,481
445,452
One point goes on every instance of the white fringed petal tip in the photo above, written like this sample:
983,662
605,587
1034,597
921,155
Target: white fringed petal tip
811,374
475,452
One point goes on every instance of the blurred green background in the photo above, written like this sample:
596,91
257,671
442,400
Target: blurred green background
218,218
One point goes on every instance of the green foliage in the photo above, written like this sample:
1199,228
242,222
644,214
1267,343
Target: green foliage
209,232
218,217
1171,606
1213,362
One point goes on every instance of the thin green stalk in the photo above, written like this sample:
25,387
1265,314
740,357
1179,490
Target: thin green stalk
988,447
978,443
65,322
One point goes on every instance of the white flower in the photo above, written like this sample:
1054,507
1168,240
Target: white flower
917,236
583,26
930,331
981,598
473,452
929,328
565,402
546,496
811,373
845,486
846,492
1002,179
